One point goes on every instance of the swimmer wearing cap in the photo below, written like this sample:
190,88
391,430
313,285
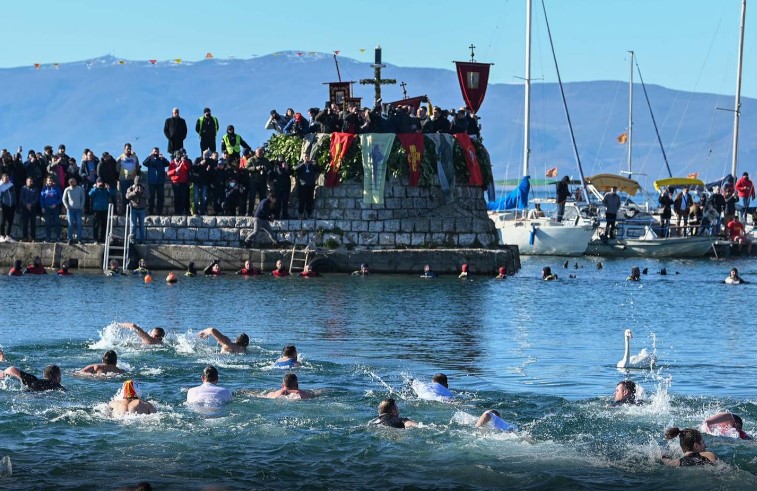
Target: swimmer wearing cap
128,401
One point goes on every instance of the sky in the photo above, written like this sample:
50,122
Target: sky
680,44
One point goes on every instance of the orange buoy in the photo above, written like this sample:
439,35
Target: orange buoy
148,278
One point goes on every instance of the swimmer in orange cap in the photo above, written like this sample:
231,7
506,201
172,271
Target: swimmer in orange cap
128,401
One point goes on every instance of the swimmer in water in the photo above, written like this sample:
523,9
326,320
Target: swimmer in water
214,268
171,278
428,273
227,345
734,278
546,274
464,272
693,447
502,273
141,268
51,378
492,417
440,386
248,269
290,388
155,337
280,270
191,270
209,393
625,393
635,274
130,401
725,424
108,366
288,358
363,271
389,415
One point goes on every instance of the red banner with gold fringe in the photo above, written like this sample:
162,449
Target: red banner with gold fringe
471,160
340,143
413,143
473,78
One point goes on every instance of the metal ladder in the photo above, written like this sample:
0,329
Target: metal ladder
299,258
112,249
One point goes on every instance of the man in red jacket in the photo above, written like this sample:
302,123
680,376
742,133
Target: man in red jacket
178,171
745,188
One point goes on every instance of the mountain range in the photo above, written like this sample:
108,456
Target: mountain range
105,102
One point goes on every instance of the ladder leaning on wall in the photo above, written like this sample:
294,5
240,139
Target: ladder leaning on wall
111,233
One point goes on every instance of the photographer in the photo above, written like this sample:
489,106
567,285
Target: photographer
156,178
100,195
258,168
276,122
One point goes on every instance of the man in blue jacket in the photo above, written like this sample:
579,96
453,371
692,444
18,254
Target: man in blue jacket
156,179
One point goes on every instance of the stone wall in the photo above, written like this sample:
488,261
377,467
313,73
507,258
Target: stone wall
411,217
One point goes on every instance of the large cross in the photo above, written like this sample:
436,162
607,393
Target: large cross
472,54
377,81
404,89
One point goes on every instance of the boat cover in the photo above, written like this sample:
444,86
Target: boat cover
603,183
678,182
515,199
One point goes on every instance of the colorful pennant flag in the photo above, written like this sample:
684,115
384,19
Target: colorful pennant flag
693,175
152,62
37,66
121,62
336,52
298,53
622,138
552,172
362,50
177,61
208,56
55,65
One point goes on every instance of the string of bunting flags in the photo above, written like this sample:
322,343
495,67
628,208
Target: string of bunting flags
208,56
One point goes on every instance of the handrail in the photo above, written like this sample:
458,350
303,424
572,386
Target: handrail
127,236
108,237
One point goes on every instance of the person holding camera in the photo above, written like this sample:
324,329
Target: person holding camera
138,201
156,179
258,168
100,196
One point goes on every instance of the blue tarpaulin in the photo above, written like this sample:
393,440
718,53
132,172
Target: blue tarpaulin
515,199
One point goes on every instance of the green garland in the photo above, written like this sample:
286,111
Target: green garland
352,165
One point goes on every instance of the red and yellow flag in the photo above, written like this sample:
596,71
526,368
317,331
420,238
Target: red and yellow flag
552,172
340,143
413,143
622,138
693,175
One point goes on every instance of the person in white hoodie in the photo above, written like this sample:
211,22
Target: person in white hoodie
73,200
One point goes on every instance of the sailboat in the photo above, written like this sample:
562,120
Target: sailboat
638,234
538,235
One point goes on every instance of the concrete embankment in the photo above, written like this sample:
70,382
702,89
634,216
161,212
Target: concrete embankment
177,257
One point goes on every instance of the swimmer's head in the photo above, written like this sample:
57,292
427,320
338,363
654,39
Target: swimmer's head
546,271
171,278
52,373
625,390
158,333
689,438
388,406
37,261
247,265
494,412
130,390
290,382
142,263
110,357
738,422
191,267
440,378
734,272
289,351
210,374
242,340
279,265
426,268
464,268
64,265
502,271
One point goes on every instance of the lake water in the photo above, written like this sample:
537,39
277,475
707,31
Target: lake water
543,354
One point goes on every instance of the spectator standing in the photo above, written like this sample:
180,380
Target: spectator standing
219,177
281,174
681,206
73,200
156,180
108,171
665,214
745,189
137,196
718,203
178,172
88,173
611,201
28,203
128,168
50,199
233,144
207,127
175,130
258,168
35,169
8,204
307,174
563,192
100,196
201,170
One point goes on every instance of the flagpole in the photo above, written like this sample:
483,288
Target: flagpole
527,93
737,104
630,116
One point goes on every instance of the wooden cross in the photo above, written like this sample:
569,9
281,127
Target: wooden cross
404,89
377,81
472,54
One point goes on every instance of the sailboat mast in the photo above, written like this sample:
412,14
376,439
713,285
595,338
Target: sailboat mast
630,116
737,104
527,94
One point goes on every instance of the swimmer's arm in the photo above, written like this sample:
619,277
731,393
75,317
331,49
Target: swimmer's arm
483,419
709,456
88,370
222,339
146,338
720,418
671,462
12,372
2,355
273,394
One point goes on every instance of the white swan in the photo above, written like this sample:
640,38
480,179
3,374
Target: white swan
642,360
